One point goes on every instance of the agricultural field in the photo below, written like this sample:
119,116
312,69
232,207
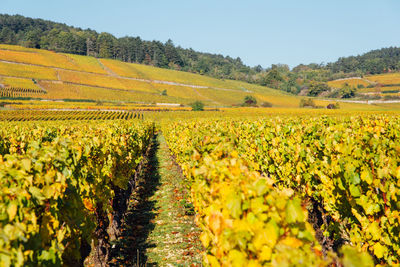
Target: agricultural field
57,90
386,79
151,73
49,115
57,179
22,83
384,86
257,184
66,76
103,162
60,76
27,71
351,82
268,186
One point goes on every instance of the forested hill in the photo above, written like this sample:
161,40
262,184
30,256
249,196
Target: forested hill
374,62
44,34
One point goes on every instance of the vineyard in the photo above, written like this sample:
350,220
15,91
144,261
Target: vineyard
50,115
93,173
67,76
282,189
119,150
10,92
285,191
384,86
58,182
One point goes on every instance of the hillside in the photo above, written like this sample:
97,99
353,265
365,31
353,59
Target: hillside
62,38
59,37
379,86
48,75
373,62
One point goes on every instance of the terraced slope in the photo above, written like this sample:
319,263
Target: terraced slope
380,85
65,76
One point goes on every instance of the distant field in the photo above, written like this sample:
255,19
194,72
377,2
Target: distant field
390,78
151,73
73,91
27,71
383,85
379,89
351,82
66,76
19,83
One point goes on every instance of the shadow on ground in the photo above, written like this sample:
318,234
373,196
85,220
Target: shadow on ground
130,248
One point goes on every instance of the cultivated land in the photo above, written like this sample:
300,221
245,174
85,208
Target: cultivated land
64,76
97,175
385,86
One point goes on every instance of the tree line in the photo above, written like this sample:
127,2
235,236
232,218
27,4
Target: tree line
58,37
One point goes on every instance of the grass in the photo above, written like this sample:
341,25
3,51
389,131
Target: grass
160,228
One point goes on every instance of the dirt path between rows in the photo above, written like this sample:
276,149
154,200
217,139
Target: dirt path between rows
159,227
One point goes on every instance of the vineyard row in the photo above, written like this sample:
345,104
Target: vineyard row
287,190
59,183
50,115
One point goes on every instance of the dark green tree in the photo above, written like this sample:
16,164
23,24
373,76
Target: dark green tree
316,88
106,45
197,106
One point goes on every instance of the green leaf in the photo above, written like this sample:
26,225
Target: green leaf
354,178
306,235
355,191
353,258
261,187
36,193
294,211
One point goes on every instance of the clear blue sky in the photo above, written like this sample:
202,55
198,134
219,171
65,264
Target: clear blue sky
259,32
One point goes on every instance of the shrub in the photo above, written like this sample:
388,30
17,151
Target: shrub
316,88
307,103
197,106
347,91
266,104
333,106
249,101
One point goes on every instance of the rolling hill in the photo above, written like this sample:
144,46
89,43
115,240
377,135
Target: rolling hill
57,76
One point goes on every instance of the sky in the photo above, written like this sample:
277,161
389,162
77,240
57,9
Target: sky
259,32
